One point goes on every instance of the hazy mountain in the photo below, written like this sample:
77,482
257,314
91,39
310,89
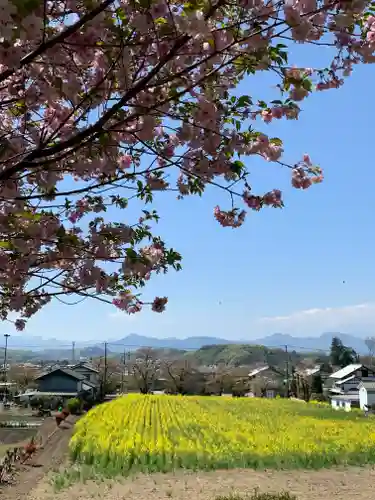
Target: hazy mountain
35,343
134,341
312,343
323,342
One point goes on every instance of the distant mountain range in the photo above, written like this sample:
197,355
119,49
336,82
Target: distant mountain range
134,341
323,342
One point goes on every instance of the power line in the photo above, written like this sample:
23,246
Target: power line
73,346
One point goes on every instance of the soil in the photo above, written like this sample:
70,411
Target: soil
344,484
52,454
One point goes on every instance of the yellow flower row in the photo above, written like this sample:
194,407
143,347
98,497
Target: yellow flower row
152,433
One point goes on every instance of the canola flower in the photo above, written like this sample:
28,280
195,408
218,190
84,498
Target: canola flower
162,433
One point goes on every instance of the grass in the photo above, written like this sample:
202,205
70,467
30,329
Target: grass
163,433
5,447
284,495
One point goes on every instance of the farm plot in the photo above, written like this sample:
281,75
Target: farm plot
25,425
162,433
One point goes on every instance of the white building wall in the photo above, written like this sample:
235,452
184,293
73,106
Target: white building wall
363,397
341,405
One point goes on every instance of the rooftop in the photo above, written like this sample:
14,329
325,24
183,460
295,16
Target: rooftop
90,384
344,380
66,371
48,394
346,371
312,371
86,365
258,370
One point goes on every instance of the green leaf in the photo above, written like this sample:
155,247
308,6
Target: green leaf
307,84
276,141
244,100
29,216
160,20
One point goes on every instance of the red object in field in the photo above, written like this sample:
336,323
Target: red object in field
60,417
29,449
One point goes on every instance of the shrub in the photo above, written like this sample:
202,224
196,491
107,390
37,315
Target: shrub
74,406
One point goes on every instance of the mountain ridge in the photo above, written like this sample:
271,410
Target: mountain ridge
134,341
320,343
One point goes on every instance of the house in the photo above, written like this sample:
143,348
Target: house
345,401
347,379
87,371
309,372
64,382
266,381
366,393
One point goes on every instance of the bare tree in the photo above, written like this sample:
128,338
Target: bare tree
219,379
22,376
181,376
145,369
109,376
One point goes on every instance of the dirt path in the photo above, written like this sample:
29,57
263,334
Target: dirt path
343,484
53,454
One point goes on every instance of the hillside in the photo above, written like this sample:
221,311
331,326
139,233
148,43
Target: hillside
244,354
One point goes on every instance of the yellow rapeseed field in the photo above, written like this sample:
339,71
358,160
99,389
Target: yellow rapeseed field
161,433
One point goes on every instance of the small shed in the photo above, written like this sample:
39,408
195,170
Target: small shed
366,393
344,401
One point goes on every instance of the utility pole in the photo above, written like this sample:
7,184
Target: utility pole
105,369
287,372
6,335
123,372
73,352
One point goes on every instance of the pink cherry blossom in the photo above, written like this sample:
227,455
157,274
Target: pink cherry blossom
106,102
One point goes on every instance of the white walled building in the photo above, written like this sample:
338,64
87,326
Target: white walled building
366,393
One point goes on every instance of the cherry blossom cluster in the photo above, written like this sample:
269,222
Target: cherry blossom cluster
107,101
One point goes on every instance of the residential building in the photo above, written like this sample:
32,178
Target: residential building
344,386
88,371
266,381
63,381
366,394
345,401
347,379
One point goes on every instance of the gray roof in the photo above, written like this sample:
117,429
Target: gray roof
258,370
90,384
369,385
346,371
66,371
86,366
344,380
50,394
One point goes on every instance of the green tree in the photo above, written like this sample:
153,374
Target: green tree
340,354
317,384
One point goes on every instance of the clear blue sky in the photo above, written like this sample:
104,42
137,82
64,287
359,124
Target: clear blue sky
283,271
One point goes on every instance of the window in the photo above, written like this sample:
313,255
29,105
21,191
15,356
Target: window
364,372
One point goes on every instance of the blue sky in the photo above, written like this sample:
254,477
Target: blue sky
283,271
